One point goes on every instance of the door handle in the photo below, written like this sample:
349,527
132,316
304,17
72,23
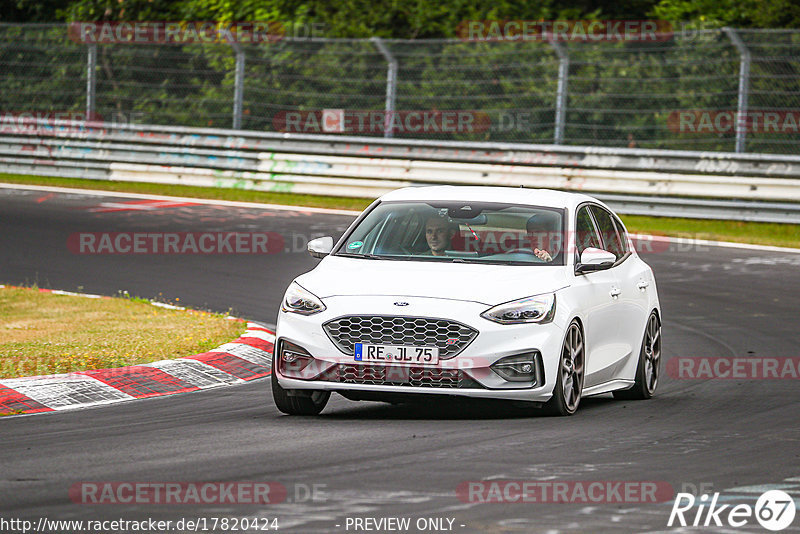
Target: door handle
615,291
643,285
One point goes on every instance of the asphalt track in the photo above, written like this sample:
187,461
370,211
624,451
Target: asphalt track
376,460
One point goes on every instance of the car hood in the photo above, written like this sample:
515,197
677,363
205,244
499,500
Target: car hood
487,284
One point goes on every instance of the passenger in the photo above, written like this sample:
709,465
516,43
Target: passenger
543,235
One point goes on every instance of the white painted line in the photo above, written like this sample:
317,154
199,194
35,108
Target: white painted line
62,392
260,334
246,352
726,244
196,373
71,294
306,209
231,203
227,347
761,488
254,355
167,306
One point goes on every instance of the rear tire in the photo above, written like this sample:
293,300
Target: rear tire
569,377
649,367
300,402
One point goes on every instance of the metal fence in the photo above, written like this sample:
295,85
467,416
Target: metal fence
616,94
746,187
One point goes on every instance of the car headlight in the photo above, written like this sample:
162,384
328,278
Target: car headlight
302,301
536,309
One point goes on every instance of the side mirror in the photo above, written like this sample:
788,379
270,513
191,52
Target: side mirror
595,259
320,247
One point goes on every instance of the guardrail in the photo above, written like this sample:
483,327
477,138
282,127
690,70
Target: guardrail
754,187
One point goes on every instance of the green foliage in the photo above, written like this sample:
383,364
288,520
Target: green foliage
619,94
410,19
734,13
118,10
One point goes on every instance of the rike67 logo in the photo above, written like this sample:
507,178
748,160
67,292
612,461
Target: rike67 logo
774,510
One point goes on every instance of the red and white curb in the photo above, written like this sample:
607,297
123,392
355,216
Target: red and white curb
247,358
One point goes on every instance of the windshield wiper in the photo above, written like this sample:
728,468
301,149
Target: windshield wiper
369,256
486,262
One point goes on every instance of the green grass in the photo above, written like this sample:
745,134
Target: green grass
780,235
213,193
42,333
783,235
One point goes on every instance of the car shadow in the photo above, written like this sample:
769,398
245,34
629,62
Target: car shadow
447,409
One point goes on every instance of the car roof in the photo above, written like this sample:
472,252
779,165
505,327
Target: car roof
512,195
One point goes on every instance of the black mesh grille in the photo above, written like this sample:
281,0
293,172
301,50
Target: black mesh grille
451,337
388,375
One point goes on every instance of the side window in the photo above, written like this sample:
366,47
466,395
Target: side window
398,231
608,231
623,235
585,233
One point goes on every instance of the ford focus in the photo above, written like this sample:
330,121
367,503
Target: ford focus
534,296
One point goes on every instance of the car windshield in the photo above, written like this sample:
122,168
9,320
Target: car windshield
469,232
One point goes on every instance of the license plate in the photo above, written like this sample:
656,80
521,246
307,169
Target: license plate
397,354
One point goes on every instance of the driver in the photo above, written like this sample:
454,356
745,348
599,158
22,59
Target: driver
438,233
542,235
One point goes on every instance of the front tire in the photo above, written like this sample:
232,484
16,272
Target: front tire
649,366
301,402
569,378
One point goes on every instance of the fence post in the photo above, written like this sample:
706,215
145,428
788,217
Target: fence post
391,85
744,88
561,94
91,80
238,85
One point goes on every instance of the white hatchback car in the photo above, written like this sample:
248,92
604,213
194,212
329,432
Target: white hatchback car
489,292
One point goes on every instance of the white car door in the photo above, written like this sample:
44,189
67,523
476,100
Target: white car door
596,291
632,279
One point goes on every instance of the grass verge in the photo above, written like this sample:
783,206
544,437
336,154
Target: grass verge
782,235
778,235
42,333
213,193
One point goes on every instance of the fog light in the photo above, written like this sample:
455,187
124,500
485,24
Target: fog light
293,361
290,357
517,368
293,358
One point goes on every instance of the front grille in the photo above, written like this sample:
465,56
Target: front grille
392,375
451,337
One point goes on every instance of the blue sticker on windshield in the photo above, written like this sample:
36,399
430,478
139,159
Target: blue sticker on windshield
354,245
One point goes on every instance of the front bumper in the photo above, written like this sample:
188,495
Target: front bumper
468,374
